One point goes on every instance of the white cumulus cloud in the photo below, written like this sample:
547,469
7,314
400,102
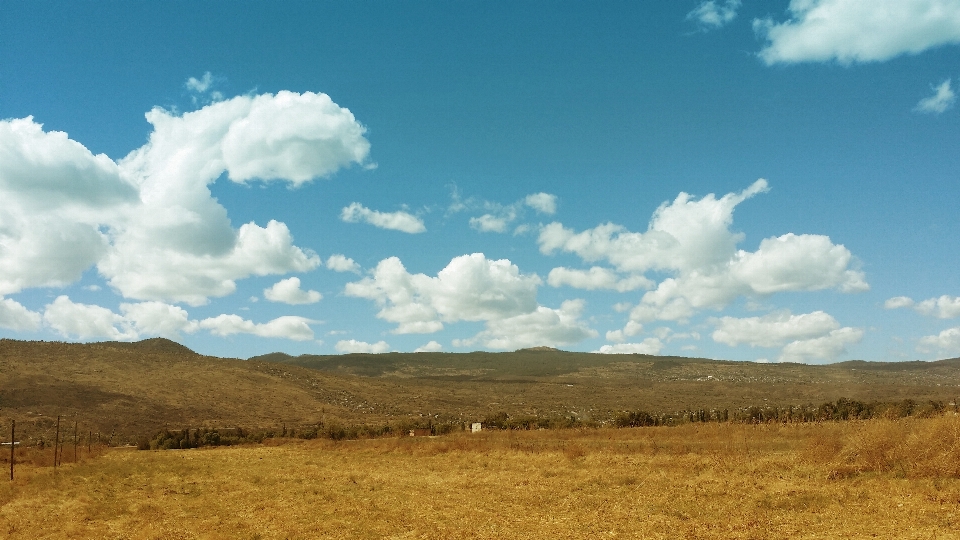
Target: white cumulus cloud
542,327
85,321
56,197
543,203
692,240
470,288
353,346
595,278
632,328
858,30
898,302
431,346
685,234
712,14
826,348
158,319
946,342
647,346
149,222
288,291
773,330
286,327
397,221
13,316
806,337
342,263
945,307
942,99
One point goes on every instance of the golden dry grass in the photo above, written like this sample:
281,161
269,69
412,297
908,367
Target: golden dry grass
879,478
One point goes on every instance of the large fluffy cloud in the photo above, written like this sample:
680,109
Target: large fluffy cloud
470,288
13,316
804,338
946,342
773,330
683,235
149,222
159,319
56,195
826,348
150,319
692,240
944,307
542,327
858,30
286,327
85,321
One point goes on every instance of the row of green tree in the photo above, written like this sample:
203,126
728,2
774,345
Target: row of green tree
841,409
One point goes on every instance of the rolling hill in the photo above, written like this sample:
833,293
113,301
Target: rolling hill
128,389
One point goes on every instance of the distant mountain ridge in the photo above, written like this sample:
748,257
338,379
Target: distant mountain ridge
132,388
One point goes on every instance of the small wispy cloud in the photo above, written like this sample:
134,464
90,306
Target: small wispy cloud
711,15
942,99
203,85
499,218
397,221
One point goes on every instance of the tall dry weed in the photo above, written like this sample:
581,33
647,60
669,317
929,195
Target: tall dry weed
909,447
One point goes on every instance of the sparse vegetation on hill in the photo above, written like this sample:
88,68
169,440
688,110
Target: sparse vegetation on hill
127,391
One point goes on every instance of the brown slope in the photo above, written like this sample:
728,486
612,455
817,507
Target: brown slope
134,388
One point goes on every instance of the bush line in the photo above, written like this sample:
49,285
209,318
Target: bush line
842,409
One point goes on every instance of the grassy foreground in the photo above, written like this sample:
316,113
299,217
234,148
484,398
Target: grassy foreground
876,478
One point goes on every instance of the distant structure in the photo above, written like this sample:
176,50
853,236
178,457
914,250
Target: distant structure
476,427
420,432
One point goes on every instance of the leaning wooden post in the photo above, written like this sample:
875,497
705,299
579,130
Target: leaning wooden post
13,444
74,441
89,437
56,442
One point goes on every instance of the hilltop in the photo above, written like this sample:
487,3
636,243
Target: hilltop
133,388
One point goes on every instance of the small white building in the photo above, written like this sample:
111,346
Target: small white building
475,427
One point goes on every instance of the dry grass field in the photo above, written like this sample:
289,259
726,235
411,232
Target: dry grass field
859,479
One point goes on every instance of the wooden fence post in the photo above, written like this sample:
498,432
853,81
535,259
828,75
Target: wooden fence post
74,441
13,444
56,442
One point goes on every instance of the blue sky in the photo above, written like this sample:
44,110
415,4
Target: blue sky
771,181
